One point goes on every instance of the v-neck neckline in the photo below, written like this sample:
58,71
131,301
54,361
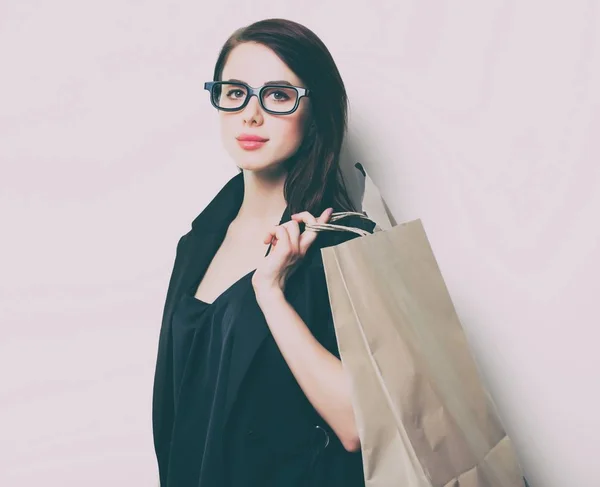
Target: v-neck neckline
212,225
194,287
192,290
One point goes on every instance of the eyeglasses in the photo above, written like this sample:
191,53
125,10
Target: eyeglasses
231,96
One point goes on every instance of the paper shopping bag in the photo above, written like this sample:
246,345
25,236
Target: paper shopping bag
424,417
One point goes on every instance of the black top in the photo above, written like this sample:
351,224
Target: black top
203,337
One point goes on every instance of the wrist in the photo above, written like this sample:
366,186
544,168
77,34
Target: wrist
266,293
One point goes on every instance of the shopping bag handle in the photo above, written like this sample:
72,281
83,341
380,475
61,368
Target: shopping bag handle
321,227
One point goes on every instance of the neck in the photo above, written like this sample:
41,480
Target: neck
263,197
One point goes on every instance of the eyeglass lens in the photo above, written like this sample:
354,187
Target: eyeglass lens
274,98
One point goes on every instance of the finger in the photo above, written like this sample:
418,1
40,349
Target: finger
307,239
293,229
282,236
305,217
325,216
269,236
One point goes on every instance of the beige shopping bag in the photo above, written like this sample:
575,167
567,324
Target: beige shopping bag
424,416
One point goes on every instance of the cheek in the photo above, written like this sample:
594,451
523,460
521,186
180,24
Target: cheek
227,130
291,133
225,125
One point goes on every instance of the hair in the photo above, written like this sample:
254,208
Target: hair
314,179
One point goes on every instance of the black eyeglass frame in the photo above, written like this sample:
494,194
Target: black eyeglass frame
209,85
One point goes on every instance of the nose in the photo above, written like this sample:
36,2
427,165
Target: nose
252,109
253,103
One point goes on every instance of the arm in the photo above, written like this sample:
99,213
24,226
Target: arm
319,373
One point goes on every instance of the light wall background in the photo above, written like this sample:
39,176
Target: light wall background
480,118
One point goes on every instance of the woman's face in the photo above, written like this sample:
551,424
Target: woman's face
256,64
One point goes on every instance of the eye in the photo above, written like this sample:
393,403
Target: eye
280,95
240,93
277,94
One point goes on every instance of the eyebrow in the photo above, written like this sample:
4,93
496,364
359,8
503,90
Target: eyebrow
272,82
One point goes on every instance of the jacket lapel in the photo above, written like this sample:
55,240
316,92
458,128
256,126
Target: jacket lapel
200,250
208,231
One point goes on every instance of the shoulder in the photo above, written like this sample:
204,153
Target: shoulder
181,250
181,243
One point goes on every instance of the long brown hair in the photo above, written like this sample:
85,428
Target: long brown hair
314,180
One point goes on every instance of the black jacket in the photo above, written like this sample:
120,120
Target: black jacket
273,437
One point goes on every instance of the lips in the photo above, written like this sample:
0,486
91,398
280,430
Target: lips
251,138
251,144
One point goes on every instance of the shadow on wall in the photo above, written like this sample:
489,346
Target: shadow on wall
354,175
388,212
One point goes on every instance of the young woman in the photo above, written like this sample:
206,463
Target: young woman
249,388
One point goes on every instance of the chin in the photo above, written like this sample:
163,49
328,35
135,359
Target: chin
258,164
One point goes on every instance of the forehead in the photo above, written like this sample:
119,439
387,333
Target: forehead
256,64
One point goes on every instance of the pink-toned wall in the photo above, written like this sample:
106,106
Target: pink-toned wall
480,118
